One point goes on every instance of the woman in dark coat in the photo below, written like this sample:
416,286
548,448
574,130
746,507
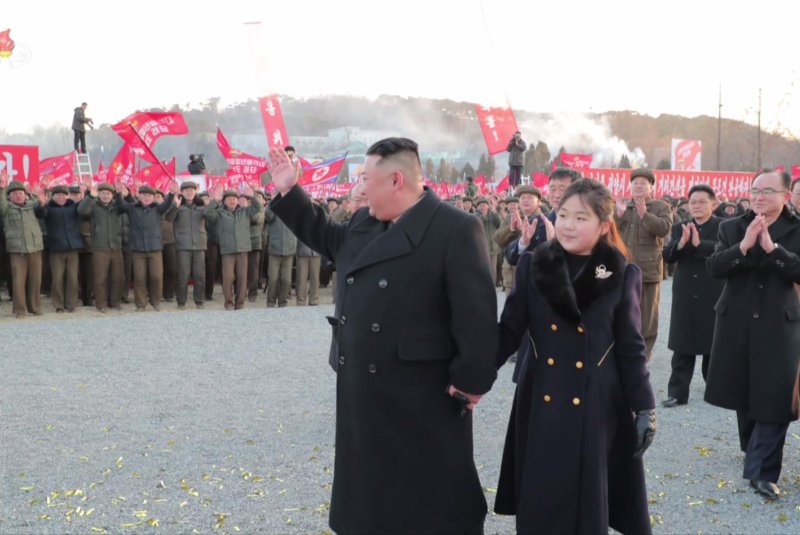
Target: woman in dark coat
583,410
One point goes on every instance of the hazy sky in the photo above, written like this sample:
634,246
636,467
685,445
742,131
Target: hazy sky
657,56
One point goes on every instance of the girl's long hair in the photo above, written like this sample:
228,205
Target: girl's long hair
598,198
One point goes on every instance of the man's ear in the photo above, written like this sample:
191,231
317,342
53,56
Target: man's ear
398,179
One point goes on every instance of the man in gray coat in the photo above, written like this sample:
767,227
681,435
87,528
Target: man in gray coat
191,242
282,247
516,159
79,122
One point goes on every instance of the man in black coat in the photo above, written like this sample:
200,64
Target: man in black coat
755,356
79,122
415,320
694,292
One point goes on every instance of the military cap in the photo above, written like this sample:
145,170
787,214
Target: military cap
188,184
512,199
158,192
15,185
146,189
645,172
74,189
334,199
468,199
229,193
526,188
106,187
203,194
482,200
59,189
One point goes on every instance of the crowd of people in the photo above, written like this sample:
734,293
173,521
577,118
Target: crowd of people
582,274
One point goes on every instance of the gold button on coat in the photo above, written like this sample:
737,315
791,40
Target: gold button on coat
550,361
580,329
553,327
576,401
579,365
546,398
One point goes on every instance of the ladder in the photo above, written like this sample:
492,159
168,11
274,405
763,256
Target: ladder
83,168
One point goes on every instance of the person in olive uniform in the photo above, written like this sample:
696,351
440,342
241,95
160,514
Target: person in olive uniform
583,412
169,257
85,265
644,222
191,242
755,355
415,319
694,292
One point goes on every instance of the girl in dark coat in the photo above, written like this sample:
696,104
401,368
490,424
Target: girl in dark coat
583,410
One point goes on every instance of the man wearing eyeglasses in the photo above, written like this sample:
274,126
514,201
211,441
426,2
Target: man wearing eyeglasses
755,354
414,332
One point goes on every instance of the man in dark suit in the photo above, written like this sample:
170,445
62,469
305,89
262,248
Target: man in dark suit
415,320
754,355
694,292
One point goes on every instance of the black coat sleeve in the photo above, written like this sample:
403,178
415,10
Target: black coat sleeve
514,319
629,346
671,252
309,222
473,306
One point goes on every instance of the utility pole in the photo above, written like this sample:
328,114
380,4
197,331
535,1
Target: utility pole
758,138
719,129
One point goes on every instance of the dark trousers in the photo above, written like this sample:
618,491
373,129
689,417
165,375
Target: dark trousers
80,139
762,443
191,265
514,175
127,263
148,278
109,278
86,278
47,276
26,278
682,372
234,279
253,258
212,261
5,267
280,279
64,269
170,261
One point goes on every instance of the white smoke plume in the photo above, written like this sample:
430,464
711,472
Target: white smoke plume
579,133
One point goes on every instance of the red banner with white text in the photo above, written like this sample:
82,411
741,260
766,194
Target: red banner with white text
58,170
575,161
20,162
274,126
498,126
675,183
149,126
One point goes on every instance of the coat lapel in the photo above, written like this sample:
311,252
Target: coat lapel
400,238
569,298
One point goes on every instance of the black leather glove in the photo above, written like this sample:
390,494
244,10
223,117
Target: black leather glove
645,424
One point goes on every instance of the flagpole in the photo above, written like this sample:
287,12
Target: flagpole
161,165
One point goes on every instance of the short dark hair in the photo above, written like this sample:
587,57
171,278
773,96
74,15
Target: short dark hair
84,104
786,178
794,183
393,145
705,188
562,173
288,148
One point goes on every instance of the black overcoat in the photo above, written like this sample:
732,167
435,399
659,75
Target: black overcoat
568,464
416,311
756,349
694,290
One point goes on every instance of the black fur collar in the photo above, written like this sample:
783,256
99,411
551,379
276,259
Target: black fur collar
550,273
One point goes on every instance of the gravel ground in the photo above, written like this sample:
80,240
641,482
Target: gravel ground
222,422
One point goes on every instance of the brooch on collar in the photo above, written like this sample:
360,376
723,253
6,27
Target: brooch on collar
600,272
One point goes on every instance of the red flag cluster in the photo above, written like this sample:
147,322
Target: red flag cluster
141,130
58,170
498,126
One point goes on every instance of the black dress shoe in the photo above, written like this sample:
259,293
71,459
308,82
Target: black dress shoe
672,402
768,489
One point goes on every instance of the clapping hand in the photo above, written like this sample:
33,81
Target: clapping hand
528,231
284,172
751,235
641,206
695,235
765,240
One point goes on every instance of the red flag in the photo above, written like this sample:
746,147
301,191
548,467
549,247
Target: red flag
21,162
58,170
101,176
576,161
121,168
240,163
480,181
498,126
149,126
155,176
273,121
215,181
795,171
322,172
502,185
540,180
780,168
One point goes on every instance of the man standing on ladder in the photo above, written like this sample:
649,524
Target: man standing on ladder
79,122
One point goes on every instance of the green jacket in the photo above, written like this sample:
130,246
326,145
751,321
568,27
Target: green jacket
491,223
106,227
21,224
233,226
256,229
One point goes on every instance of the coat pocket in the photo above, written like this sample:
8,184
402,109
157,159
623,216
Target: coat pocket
422,349
793,313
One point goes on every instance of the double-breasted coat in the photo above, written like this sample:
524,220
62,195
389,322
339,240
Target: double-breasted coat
694,290
756,351
568,464
415,312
